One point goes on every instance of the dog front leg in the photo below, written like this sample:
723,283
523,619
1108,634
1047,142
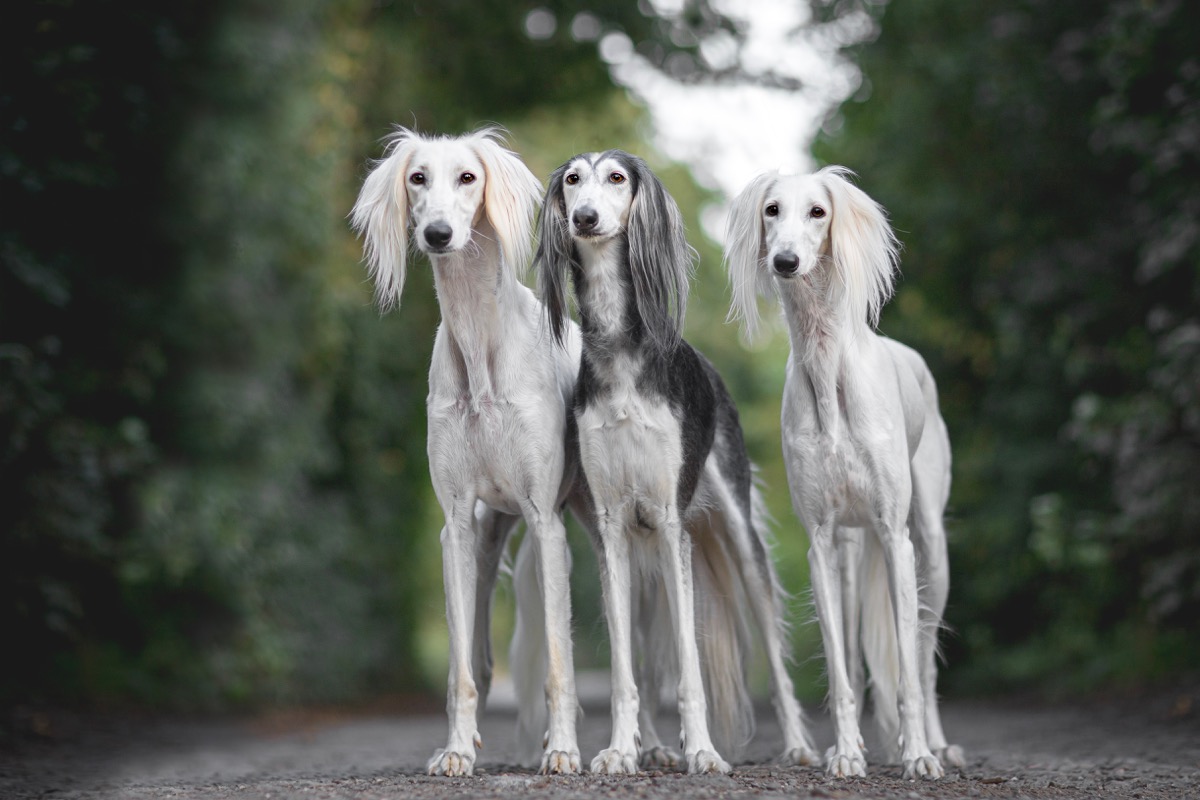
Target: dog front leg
462,697
621,755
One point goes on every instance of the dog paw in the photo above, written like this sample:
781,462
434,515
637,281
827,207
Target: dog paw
845,765
703,761
451,764
952,756
926,766
659,757
613,762
798,757
560,762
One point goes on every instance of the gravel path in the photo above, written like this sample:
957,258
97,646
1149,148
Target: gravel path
1148,748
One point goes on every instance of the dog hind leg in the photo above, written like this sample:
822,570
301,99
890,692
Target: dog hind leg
676,560
900,558
652,624
554,568
492,529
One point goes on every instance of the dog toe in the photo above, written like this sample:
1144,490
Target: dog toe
926,766
614,762
560,762
659,757
707,761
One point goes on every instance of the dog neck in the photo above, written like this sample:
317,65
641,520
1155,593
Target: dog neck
822,340
481,300
608,312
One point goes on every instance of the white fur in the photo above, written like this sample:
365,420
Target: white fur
866,450
498,397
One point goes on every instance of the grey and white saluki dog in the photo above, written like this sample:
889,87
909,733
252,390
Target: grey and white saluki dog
677,516
498,424
866,450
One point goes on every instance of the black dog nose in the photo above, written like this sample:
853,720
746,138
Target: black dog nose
585,218
438,234
786,263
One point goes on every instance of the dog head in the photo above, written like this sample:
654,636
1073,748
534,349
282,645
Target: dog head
785,228
613,205
444,188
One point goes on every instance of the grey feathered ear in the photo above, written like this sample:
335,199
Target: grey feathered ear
556,254
660,258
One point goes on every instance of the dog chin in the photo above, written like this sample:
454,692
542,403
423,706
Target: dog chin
591,237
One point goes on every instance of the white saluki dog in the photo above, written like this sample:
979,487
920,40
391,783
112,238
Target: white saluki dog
497,407
867,453
662,452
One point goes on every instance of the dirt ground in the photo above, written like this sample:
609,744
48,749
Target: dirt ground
1146,747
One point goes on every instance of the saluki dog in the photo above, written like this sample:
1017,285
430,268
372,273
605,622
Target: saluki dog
663,455
498,422
866,451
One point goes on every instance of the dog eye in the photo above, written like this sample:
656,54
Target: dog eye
616,177
417,178
817,212
467,177
571,179
773,210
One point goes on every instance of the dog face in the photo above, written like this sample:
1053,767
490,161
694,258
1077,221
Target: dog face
444,181
598,191
796,212
783,227
443,188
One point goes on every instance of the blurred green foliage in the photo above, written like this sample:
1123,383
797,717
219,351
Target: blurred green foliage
1040,160
213,487
212,479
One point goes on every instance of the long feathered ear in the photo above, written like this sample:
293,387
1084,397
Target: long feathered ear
865,250
511,194
556,254
660,258
746,251
380,216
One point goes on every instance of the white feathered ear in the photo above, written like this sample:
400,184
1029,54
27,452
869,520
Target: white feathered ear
746,252
864,247
380,216
511,196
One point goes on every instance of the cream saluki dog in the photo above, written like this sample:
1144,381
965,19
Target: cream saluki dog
663,454
867,453
497,406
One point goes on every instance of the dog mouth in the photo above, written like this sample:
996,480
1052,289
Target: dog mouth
591,234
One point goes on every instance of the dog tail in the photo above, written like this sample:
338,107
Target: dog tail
880,650
527,655
722,635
